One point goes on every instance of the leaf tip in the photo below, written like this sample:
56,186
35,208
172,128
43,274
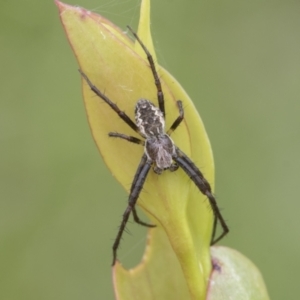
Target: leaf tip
63,7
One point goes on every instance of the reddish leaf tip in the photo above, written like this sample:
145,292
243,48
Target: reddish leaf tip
62,7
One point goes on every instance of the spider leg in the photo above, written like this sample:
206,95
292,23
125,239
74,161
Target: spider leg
160,94
135,190
114,106
179,119
128,138
197,177
136,176
134,140
214,230
137,219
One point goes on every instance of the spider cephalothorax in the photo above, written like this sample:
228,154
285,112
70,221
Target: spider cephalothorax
159,151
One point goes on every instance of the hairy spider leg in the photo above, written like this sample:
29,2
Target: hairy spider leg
129,138
208,188
128,121
114,106
188,161
138,220
135,179
144,168
197,177
213,234
178,120
134,140
160,94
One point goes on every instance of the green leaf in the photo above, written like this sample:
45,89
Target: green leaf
176,263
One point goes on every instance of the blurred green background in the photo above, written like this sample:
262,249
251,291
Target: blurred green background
60,207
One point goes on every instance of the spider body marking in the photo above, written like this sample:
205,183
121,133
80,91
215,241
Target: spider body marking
159,151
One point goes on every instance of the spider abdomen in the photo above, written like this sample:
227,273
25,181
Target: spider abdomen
149,118
160,150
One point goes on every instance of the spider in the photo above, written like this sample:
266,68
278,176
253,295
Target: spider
159,150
